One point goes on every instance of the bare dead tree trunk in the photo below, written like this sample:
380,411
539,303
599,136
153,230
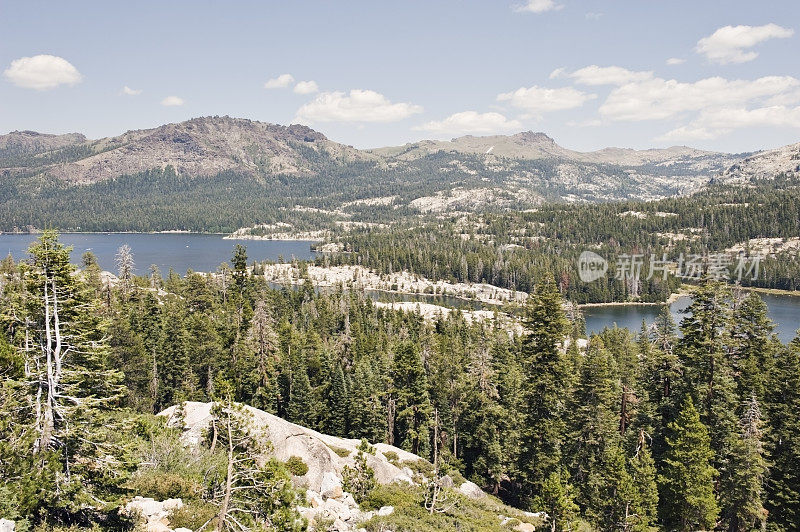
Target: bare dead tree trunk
223,509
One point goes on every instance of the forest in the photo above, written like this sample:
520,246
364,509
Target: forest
688,426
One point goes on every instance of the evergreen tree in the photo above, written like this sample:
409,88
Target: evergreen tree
687,477
556,499
547,391
64,388
745,490
641,495
753,347
301,401
783,408
338,403
413,404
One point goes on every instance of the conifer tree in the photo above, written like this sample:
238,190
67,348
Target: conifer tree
687,477
338,403
301,401
641,494
783,409
753,346
744,491
546,389
413,405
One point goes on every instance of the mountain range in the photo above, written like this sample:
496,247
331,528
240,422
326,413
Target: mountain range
306,169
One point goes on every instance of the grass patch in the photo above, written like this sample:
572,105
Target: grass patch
344,453
410,515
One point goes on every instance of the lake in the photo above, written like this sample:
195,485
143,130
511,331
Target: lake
183,251
784,310
179,251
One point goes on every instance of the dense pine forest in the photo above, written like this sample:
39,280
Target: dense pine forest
511,249
689,426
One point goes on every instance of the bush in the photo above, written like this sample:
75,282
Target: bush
296,466
161,485
392,457
419,467
193,515
359,480
390,495
344,453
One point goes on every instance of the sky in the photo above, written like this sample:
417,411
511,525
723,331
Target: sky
715,74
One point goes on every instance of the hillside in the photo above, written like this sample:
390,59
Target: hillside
222,173
764,165
200,147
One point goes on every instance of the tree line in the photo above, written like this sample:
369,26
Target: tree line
630,431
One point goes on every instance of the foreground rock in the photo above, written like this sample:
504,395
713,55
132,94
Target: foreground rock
324,455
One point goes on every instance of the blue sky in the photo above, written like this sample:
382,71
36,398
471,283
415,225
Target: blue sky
588,73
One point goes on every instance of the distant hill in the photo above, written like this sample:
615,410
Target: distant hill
222,173
764,165
200,147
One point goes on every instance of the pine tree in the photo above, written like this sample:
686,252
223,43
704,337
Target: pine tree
783,409
641,493
753,346
687,477
556,499
338,403
301,401
547,391
413,405
745,489
67,389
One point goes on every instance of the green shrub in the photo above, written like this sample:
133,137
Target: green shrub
392,457
419,466
296,466
193,515
395,495
359,480
344,453
162,485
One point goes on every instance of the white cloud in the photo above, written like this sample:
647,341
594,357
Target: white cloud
42,72
127,91
593,16
657,98
557,73
538,6
714,123
306,87
730,44
172,101
471,122
281,82
541,100
672,61
612,75
357,106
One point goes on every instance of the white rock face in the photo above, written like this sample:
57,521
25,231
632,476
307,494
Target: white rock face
155,514
471,490
315,449
7,525
764,165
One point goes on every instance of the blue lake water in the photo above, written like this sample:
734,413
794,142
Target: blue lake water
179,251
784,311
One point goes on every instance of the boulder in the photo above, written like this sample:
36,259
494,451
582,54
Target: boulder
385,510
446,481
525,527
471,490
155,514
314,448
6,525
